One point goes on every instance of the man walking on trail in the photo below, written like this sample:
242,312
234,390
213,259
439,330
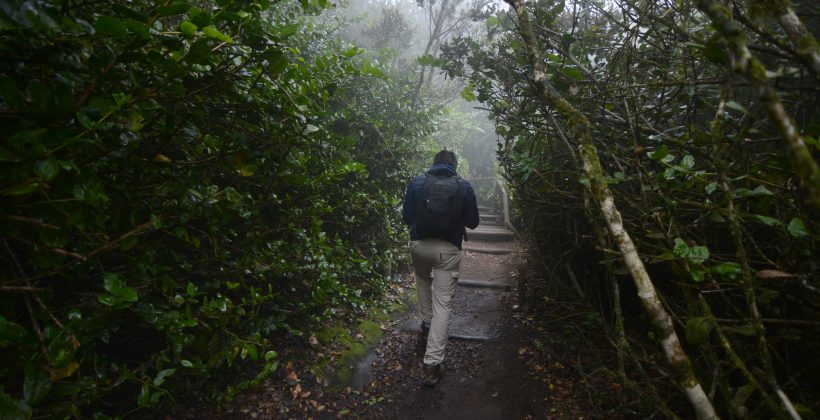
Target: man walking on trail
437,207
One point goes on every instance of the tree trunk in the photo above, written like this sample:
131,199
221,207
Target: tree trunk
750,67
580,127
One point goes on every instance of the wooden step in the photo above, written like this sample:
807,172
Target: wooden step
496,251
490,234
483,284
454,336
464,337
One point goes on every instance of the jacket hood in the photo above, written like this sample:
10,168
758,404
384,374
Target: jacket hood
442,169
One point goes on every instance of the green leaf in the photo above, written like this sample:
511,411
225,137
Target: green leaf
36,386
22,189
695,254
728,269
131,13
173,9
160,379
188,28
760,191
768,221
148,396
232,195
120,294
798,229
47,169
659,153
39,94
199,53
350,52
109,26
738,107
271,355
251,352
467,93
572,73
429,60
747,329
10,93
697,274
715,51
13,409
681,249
698,254
139,29
711,187
698,329
11,332
714,216
687,162
186,363
211,32
277,61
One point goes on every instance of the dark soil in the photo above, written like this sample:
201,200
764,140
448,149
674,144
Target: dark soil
528,367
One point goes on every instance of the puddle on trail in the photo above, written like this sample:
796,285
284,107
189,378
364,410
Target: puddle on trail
363,371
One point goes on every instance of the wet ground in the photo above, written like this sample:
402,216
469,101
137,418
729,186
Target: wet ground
501,363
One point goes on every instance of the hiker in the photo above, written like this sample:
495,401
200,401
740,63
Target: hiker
437,207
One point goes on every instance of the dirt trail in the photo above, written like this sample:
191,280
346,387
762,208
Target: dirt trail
507,363
498,369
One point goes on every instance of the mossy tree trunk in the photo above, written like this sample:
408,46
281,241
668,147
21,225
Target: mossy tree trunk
580,127
753,70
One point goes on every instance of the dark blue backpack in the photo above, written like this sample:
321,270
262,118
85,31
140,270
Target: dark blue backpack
439,209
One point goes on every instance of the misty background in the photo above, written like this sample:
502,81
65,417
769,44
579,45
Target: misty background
406,36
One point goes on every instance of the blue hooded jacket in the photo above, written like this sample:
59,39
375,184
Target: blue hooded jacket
469,216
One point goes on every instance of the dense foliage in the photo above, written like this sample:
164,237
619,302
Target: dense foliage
702,172
183,182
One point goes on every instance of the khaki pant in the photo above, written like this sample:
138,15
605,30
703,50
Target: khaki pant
436,264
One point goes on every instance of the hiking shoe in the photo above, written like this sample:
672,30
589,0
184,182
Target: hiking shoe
432,374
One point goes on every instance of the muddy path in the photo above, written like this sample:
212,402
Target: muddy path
502,362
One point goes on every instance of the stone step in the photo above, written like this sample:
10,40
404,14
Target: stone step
496,251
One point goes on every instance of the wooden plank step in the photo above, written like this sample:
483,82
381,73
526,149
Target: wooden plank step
496,251
490,234
454,336
464,337
483,284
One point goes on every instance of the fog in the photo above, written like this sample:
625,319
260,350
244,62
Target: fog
399,32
